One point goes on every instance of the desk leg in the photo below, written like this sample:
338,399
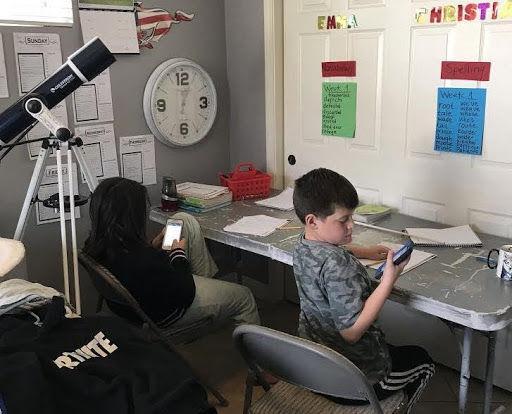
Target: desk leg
489,372
464,369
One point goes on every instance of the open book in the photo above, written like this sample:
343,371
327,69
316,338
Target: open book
418,257
461,236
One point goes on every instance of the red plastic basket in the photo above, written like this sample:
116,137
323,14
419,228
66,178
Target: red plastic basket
246,182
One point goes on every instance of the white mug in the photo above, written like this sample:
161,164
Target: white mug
504,265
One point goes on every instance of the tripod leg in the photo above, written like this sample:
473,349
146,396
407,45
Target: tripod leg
91,179
73,232
31,196
62,214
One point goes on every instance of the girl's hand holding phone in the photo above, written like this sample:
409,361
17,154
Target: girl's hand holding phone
182,244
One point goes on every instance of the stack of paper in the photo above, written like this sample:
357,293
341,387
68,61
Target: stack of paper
418,257
283,201
204,191
461,236
370,213
201,198
259,225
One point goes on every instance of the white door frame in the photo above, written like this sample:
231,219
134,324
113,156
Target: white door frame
274,115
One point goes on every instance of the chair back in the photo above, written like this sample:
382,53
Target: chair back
303,363
107,285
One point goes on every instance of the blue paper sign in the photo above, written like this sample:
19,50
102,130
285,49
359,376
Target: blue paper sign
460,120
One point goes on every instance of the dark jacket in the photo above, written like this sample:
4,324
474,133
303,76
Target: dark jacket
94,364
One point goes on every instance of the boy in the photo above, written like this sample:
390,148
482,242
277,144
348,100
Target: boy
338,307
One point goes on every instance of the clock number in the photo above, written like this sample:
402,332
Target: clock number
182,78
160,105
204,102
184,128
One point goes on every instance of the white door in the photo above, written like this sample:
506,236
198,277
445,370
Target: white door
391,159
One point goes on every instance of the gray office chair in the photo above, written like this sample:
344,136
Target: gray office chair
304,366
114,292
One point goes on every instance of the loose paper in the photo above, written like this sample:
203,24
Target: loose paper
99,149
259,225
92,102
117,29
4,90
339,109
460,120
283,201
48,187
138,158
38,56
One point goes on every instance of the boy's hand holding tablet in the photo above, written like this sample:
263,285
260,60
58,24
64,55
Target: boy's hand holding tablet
396,261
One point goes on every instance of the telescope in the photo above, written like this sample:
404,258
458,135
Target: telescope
81,67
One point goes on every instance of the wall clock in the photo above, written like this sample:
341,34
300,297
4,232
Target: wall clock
180,102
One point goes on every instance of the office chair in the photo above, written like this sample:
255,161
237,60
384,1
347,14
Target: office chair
306,369
110,289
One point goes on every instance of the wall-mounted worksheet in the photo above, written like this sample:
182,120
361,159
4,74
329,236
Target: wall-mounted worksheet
138,158
38,56
92,102
99,149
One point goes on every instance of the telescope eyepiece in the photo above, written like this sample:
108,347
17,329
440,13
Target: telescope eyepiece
34,106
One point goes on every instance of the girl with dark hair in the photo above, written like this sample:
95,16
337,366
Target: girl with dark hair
173,288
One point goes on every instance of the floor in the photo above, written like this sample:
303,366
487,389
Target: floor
215,357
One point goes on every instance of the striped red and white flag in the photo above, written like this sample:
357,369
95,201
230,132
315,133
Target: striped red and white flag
152,24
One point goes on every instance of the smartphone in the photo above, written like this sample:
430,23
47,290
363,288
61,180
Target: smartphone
398,257
172,232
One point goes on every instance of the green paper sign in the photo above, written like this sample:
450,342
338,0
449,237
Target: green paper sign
339,109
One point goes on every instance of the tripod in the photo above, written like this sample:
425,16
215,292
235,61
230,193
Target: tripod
62,140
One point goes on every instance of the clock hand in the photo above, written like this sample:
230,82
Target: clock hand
184,95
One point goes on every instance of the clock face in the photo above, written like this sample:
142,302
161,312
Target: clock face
180,102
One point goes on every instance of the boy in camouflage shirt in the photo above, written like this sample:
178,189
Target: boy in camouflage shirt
338,307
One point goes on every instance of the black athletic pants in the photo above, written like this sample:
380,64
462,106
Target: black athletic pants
411,369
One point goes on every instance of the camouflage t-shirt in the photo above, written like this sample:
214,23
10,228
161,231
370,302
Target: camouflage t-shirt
333,286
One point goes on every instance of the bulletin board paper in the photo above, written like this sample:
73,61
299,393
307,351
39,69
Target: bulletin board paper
339,68
339,109
460,120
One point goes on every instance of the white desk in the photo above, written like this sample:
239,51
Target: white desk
454,286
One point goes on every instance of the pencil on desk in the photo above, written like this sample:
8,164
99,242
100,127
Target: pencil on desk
291,228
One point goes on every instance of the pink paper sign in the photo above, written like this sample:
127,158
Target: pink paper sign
340,68
479,71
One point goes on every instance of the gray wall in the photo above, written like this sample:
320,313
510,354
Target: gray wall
246,77
202,40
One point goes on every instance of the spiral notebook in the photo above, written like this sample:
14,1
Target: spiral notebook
461,236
